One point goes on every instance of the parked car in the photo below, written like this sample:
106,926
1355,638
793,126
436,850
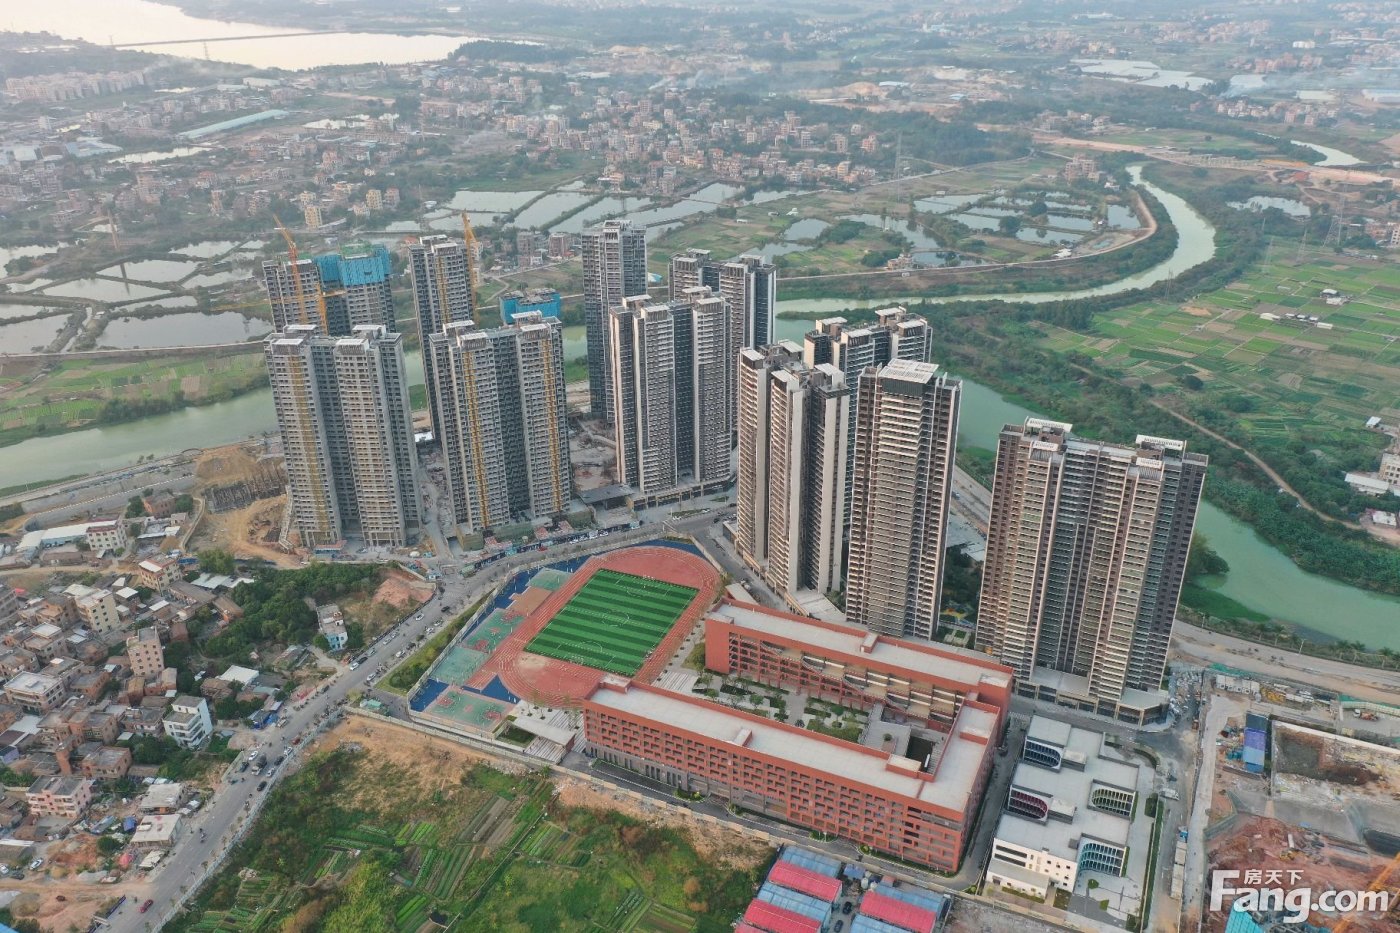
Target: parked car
262,785
147,906
36,864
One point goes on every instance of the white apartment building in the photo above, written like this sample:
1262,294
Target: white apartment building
442,295
1086,555
792,470
614,257
188,721
902,485
109,535
342,408
502,417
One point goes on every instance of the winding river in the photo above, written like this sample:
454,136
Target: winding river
1261,577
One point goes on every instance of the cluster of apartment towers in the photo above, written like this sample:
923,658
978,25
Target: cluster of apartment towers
845,450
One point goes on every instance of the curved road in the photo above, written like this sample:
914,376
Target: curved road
226,816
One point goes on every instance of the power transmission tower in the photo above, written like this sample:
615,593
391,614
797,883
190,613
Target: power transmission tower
1334,231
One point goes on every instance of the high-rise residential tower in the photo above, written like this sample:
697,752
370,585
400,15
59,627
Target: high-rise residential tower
792,470
342,407
894,335
643,366
749,287
442,295
1086,554
501,405
906,435
350,287
669,368
614,267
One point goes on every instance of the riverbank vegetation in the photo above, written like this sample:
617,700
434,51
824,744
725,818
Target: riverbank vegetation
41,397
1003,345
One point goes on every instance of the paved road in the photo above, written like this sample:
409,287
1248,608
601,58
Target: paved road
1208,647
1217,709
224,818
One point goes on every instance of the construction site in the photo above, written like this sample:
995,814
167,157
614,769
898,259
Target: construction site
1320,813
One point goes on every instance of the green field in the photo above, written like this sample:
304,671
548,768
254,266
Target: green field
37,398
614,622
1273,384
467,846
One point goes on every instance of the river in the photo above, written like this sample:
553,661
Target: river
1261,577
1195,244
1330,157
107,22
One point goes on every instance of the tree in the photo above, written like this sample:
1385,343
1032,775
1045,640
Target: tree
108,845
216,560
135,508
322,642
1009,225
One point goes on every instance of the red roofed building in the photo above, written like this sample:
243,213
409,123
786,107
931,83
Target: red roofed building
745,927
805,881
773,919
905,916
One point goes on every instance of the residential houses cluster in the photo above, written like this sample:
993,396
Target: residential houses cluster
83,673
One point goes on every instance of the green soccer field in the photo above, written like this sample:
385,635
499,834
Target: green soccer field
613,622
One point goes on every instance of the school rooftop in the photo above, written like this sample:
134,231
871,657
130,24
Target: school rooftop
949,784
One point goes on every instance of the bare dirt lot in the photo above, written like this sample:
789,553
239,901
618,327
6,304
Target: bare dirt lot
245,532
399,594
431,763
39,898
1257,842
250,531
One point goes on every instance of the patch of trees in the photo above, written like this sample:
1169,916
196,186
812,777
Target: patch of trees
277,605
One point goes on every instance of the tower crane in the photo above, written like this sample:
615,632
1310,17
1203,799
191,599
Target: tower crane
295,274
473,273
1382,882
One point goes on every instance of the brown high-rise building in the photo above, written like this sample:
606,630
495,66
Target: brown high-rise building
1086,554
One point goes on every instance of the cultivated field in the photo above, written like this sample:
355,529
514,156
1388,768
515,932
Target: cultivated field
462,845
1282,379
75,393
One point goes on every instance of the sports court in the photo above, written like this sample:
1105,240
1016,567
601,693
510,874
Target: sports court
614,622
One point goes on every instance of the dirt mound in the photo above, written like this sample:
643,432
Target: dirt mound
225,465
403,590
77,853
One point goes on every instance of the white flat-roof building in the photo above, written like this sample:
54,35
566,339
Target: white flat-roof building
1070,809
157,830
109,535
96,607
46,538
330,622
35,693
163,798
188,722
